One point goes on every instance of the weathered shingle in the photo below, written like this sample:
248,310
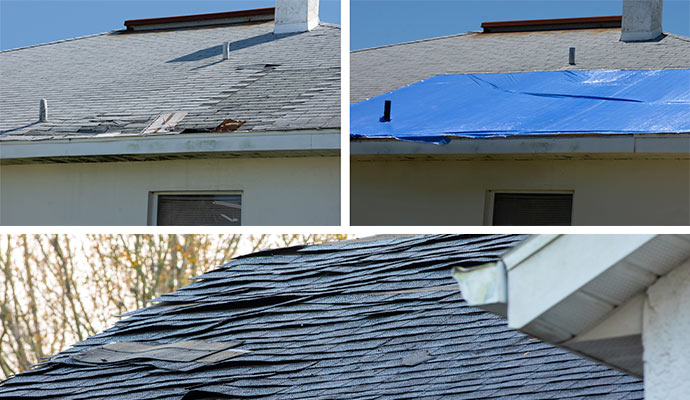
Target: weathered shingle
366,320
116,83
379,70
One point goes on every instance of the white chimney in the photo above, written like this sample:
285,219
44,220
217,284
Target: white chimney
641,20
296,15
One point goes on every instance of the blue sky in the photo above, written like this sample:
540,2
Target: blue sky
27,22
381,22
373,22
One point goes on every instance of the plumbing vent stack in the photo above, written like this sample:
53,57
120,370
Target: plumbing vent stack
641,20
571,56
226,50
296,15
43,113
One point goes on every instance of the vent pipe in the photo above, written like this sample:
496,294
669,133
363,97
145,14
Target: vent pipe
296,15
641,20
386,112
43,111
226,50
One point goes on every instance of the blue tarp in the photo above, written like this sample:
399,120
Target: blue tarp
529,103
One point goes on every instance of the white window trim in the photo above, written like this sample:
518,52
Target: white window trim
491,193
153,201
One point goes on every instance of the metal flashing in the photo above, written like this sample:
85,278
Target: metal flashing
610,21
186,21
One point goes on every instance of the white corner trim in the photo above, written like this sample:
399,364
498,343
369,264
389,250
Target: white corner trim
173,144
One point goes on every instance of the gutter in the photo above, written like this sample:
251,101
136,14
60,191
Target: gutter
585,293
485,286
675,144
325,142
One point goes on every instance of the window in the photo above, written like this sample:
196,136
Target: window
190,208
532,208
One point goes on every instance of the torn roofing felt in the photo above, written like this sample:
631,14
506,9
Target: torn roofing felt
529,103
368,320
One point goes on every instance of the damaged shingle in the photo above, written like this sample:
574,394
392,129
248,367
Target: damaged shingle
174,70
362,319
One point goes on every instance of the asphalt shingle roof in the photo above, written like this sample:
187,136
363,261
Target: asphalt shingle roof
379,70
367,320
116,83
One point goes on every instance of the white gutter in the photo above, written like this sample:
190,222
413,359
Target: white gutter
536,144
324,141
582,292
485,286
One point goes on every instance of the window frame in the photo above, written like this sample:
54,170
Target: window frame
491,194
152,214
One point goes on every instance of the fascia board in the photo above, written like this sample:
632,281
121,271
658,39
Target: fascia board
172,144
671,144
559,269
522,251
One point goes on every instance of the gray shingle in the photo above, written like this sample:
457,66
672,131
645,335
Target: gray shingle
116,83
316,325
382,69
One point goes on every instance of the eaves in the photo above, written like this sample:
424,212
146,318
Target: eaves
673,146
141,148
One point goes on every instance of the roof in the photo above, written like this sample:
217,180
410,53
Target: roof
362,319
118,83
548,103
382,69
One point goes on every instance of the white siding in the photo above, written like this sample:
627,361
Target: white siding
454,192
276,191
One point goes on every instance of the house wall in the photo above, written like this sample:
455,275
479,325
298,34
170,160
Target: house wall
276,191
666,323
454,192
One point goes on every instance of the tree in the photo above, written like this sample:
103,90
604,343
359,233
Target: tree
59,289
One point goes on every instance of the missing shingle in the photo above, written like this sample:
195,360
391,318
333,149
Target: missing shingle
186,351
416,358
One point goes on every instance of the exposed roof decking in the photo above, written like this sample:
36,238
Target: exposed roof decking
379,70
364,319
116,83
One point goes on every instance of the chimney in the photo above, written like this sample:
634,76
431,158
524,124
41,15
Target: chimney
296,15
641,20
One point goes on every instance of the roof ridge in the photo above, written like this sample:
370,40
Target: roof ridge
321,23
417,41
62,40
329,25
677,36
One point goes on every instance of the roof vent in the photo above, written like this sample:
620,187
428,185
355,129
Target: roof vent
641,20
191,21
296,15
43,111
226,50
611,21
